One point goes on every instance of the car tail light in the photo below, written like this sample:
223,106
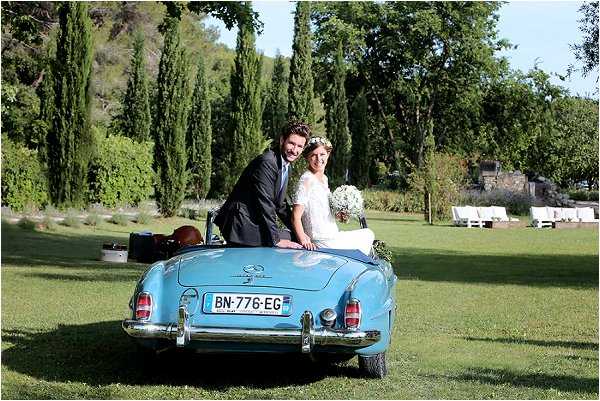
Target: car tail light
352,314
143,307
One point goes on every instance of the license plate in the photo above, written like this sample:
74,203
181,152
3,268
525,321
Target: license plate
247,304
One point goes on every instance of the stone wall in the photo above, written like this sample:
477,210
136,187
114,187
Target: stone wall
510,181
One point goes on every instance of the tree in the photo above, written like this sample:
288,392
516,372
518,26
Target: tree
336,122
170,122
246,140
69,139
135,119
199,136
413,58
300,88
359,129
587,51
276,108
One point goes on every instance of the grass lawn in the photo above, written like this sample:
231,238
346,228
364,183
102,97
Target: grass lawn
509,314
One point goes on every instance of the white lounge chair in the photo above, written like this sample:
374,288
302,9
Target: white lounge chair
586,215
540,217
499,212
554,213
570,214
455,216
467,216
485,213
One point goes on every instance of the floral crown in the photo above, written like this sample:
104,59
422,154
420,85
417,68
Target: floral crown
317,140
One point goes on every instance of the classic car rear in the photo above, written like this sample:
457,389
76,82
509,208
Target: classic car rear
224,299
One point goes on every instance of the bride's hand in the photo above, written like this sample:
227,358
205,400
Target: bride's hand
307,243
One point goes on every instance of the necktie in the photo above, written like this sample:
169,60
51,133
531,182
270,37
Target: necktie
284,174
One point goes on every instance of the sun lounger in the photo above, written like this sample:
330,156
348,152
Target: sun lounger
586,215
467,216
540,217
499,213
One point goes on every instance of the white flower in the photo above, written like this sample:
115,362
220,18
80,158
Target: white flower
346,200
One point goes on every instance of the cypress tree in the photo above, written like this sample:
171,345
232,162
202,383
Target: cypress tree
359,128
69,141
247,140
199,136
276,108
135,120
300,89
336,122
169,128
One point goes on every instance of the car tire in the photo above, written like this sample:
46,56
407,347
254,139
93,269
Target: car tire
373,366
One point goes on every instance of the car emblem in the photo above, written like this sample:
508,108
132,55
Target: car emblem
252,272
254,269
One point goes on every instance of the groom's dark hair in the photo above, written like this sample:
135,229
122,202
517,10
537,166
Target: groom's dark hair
296,127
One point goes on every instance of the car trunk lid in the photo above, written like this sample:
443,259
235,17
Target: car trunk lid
263,267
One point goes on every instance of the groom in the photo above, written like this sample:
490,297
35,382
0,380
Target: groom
249,216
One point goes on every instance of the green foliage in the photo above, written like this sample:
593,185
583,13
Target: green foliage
276,107
199,136
70,140
336,122
121,172
567,150
23,181
392,201
581,195
120,219
442,176
587,50
93,219
170,122
49,223
300,89
72,219
27,223
361,153
246,140
135,119
143,217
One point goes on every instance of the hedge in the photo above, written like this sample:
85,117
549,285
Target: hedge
121,172
24,183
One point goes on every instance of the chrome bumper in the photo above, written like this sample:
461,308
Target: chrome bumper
306,337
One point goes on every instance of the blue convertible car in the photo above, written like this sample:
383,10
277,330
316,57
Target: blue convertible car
333,304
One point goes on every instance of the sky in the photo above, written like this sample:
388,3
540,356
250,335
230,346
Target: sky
542,31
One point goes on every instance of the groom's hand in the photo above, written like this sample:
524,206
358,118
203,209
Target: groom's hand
286,243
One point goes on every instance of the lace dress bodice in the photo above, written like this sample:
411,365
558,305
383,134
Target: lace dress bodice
317,220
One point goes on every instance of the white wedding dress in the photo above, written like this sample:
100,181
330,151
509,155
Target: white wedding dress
318,221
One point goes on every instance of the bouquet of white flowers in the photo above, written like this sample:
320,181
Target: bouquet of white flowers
346,201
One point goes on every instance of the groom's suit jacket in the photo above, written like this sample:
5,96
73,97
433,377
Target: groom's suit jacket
249,215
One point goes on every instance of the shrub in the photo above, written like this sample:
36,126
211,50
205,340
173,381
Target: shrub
49,223
72,219
515,202
581,195
143,217
442,176
93,219
27,223
23,180
120,219
121,173
390,201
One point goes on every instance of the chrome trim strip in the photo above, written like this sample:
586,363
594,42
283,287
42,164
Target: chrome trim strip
320,336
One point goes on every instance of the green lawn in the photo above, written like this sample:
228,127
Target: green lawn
481,314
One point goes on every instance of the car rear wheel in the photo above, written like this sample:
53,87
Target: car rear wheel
373,365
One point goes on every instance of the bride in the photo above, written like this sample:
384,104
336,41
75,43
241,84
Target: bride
312,220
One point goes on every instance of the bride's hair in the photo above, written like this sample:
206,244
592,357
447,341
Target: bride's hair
315,142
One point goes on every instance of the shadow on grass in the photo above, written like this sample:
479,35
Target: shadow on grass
101,353
502,377
579,271
541,343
